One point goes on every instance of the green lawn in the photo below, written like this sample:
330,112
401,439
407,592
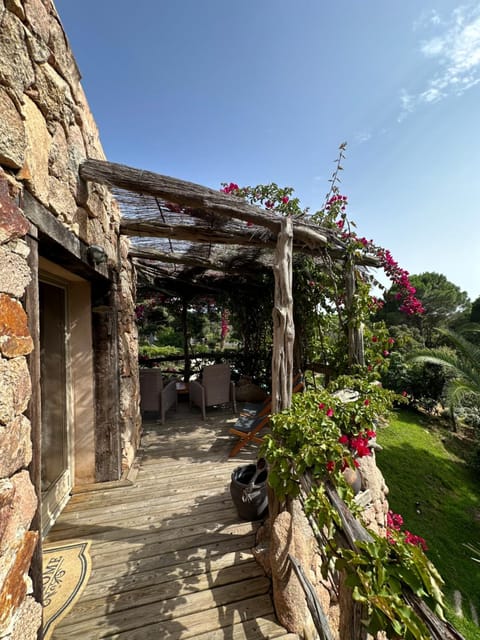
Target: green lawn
438,495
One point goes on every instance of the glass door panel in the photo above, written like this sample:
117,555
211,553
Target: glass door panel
55,469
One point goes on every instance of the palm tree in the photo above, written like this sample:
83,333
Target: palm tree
462,359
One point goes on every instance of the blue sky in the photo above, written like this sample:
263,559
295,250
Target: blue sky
265,90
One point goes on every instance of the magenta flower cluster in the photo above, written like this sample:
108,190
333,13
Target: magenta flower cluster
336,206
224,323
359,444
395,524
406,294
337,200
229,188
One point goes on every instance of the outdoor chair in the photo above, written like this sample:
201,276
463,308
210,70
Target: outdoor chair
156,395
215,387
251,422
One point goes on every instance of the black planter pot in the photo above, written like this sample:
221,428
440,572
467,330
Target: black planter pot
248,489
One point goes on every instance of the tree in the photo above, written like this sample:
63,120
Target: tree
475,311
444,303
461,358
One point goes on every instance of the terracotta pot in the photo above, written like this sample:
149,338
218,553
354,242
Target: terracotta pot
353,477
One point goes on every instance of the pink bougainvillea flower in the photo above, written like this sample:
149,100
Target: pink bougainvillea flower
391,341
418,541
363,450
366,402
330,466
343,439
386,353
360,446
371,434
329,413
230,187
340,223
394,521
285,199
321,405
374,339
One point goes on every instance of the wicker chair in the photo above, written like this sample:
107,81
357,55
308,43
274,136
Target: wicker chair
156,396
216,387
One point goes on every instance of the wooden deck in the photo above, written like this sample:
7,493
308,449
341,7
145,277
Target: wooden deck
171,559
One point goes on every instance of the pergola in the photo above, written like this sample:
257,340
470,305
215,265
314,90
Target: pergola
184,235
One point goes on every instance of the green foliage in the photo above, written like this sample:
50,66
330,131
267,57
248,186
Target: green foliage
331,294
306,436
462,360
431,481
316,435
155,351
379,572
160,321
475,311
321,336
444,304
422,382
251,318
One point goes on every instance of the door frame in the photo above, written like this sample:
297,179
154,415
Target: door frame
58,493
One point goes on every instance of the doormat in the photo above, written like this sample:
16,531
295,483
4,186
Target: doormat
66,569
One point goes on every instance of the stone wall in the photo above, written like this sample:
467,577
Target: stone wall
46,131
290,532
18,501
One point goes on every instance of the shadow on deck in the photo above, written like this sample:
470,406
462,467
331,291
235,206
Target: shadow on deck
171,559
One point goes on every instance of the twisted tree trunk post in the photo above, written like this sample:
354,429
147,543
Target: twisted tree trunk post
356,354
186,351
283,326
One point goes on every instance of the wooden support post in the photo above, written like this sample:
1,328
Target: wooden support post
186,351
283,326
108,457
356,353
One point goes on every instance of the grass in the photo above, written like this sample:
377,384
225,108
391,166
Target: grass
438,494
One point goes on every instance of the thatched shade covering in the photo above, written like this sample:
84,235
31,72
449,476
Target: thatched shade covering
184,232
189,239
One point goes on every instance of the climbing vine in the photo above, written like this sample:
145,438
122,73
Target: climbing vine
323,434
324,310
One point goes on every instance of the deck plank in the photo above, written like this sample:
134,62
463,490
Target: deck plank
170,556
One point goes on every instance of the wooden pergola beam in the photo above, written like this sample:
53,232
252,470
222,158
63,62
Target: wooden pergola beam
171,258
190,233
190,194
142,255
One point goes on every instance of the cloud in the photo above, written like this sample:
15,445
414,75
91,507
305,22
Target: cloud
362,136
455,54
433,47
431,95
426,19
408,104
